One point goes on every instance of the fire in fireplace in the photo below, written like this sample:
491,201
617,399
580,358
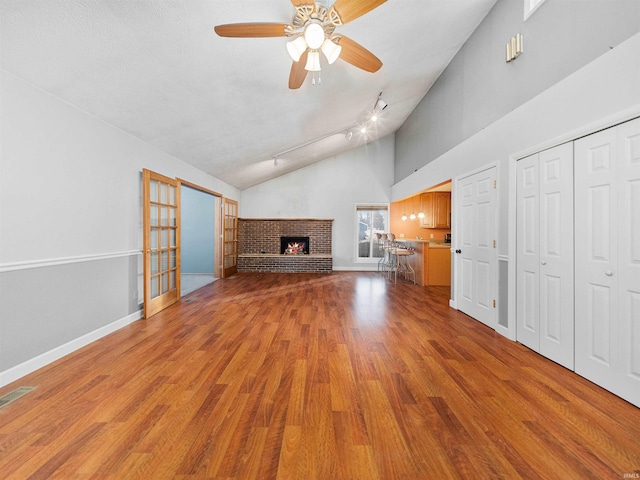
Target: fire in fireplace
294,245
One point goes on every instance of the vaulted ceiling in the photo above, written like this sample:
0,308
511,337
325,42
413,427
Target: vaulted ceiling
157,70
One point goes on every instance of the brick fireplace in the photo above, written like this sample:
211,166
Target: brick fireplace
259,245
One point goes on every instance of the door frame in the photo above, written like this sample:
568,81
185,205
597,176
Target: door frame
217,260
456,215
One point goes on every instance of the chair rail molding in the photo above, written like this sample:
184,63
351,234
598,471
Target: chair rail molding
50,262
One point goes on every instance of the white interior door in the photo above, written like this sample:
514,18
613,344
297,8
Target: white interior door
556,255
607,184
528,252
475,246
597,326
629,259
544,246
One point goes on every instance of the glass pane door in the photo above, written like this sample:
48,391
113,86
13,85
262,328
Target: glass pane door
230,237
161,236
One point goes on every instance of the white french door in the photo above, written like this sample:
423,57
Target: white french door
607,214
544,253
476,259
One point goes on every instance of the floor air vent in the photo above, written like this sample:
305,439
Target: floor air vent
15,395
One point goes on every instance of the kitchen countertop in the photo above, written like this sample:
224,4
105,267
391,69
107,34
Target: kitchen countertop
431,243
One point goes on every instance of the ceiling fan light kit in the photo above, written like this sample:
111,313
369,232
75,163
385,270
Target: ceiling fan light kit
296,48
331,50
313,27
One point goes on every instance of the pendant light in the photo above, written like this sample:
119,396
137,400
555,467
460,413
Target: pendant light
421,213
404,215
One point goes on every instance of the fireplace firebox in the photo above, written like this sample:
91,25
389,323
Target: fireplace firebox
294,245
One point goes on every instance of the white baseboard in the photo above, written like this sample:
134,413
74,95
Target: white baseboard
453,304
19,371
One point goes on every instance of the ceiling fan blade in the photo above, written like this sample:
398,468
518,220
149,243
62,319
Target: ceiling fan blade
299,3
298,72
252,30
349,10
358,56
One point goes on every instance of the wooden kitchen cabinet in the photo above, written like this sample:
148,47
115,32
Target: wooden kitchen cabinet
437,210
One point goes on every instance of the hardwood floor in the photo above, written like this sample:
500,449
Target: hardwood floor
340,376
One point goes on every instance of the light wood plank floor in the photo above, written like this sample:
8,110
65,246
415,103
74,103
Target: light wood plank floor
340,376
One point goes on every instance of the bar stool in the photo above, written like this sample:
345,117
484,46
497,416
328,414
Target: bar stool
382,241
403,266
390,247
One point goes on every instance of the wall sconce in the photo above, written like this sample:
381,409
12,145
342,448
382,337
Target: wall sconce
514,47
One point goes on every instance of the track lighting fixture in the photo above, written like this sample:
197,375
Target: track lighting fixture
381,104
348,132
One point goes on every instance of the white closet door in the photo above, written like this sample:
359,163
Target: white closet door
544,241
596,230
556,255
629,259
476,259
528,252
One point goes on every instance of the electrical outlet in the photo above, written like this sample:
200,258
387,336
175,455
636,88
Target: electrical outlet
431,235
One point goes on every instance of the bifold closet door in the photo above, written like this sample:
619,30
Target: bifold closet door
607,184
544,245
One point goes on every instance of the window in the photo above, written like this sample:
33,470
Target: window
531,6
370,220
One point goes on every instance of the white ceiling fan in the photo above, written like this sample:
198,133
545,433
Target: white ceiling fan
313,31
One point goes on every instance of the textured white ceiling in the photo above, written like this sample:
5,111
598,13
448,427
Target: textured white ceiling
157,70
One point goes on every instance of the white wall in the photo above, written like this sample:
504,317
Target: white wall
328,189
197,231
70,225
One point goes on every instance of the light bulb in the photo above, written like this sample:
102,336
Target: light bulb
404,217
421,214
412,216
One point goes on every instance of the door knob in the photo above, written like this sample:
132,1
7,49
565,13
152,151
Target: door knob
608,273
543,262
458,251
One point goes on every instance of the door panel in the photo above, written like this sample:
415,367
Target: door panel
596,313
161,200
476,262
629,259
528,252
556,255
230,237
544,246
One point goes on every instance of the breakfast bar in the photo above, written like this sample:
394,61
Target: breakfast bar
432,261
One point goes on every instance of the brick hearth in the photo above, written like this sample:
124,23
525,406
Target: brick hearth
259,245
